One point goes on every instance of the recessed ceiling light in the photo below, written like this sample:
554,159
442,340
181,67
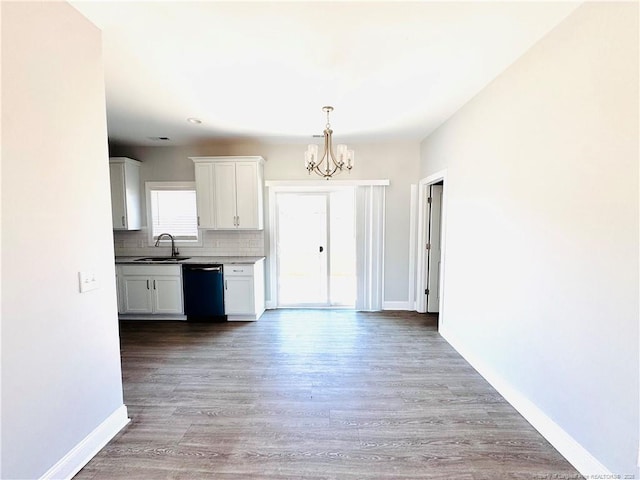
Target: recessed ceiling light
194,120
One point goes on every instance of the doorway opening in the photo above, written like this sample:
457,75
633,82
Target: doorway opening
434,247
316,249
431,240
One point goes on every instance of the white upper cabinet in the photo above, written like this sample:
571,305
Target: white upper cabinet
229,192
204,195
126,212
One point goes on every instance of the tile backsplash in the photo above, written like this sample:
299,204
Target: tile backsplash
214,243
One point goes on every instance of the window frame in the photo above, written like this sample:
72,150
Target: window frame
165,242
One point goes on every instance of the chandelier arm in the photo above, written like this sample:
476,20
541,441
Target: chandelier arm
335,162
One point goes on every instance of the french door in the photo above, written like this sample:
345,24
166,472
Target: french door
316,249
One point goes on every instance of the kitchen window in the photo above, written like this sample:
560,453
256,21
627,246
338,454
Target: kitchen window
171,208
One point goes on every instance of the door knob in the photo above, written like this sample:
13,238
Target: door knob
321,249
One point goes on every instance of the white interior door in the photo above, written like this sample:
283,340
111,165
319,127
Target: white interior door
302,249
434,256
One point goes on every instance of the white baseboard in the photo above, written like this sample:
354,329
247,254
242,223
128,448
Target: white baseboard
568,447
403,305
84,451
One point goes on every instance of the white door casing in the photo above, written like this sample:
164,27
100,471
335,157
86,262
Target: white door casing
423,239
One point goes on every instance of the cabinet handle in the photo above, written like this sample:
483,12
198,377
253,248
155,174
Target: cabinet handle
154,284
238,221
225,285
123,220
147,284
198,220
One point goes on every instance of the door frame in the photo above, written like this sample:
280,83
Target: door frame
423,238
297,186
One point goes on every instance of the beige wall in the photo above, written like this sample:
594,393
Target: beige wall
396,161
541,275
61,373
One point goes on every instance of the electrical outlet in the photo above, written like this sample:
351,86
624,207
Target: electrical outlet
88,281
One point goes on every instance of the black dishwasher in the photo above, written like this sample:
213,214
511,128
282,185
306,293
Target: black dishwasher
203,289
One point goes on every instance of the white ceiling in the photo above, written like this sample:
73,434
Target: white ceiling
264,70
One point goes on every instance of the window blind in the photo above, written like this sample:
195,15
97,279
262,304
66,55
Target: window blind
174,212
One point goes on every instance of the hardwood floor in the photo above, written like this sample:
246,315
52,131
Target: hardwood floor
314,395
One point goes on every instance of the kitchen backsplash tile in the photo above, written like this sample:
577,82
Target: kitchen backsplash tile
214,243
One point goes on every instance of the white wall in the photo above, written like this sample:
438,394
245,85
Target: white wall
61,374
397,161
541,279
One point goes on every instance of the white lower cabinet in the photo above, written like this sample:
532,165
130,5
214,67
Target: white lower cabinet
136,295
155,289
244,291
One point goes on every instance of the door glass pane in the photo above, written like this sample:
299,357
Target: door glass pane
342,251
302,231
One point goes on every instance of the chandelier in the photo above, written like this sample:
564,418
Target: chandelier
328,164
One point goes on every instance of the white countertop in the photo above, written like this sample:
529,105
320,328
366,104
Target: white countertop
192,260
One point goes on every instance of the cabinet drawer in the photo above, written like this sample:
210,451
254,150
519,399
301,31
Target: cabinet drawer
237,270
151,269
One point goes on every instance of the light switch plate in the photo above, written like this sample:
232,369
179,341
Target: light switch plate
87,281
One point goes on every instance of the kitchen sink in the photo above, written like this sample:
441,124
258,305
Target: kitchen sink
161,259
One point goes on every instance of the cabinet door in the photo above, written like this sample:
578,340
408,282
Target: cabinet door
132,200
238,295
204,195
118,206
248,196
224,187
167,294
136,293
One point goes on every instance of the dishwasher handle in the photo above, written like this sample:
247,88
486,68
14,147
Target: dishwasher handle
203,269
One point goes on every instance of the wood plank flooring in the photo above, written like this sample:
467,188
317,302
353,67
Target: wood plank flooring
312,394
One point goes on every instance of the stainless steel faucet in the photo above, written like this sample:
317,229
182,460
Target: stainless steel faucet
174,250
